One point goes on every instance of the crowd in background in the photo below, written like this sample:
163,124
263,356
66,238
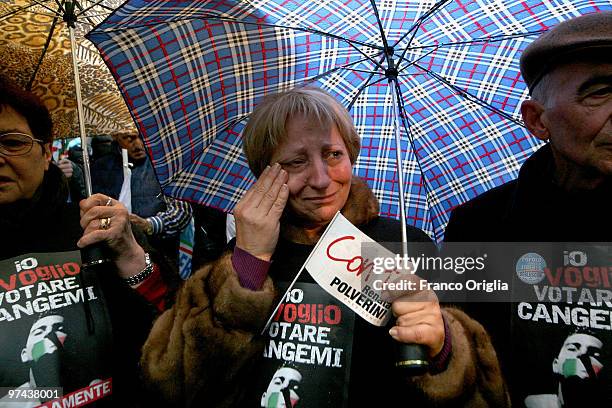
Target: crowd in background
199,342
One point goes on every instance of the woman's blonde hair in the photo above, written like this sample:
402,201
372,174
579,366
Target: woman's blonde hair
267,125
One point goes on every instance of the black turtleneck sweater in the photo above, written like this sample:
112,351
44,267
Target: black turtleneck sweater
533,208
528,336
44,223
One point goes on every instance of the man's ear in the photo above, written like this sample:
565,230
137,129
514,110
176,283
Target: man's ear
24,356
47,154
555,366
532,113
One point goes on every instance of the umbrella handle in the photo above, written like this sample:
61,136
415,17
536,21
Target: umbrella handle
411,359
94,255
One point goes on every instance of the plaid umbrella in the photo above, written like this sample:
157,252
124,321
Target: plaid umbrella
443,76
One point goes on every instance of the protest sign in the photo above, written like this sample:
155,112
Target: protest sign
338,266
54,332
308,351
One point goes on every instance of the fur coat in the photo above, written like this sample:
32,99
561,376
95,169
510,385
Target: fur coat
201,350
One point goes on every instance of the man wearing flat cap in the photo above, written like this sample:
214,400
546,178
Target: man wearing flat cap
563,194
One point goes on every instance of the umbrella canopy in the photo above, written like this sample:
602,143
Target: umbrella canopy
35,52
445,74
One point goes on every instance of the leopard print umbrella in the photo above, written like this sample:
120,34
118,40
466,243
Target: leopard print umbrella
25,30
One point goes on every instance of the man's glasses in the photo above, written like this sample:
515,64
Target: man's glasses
17,144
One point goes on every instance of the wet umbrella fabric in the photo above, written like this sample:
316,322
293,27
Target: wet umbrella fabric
192,71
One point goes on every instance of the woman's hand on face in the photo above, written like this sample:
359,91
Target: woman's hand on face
108,221
258,213
419,320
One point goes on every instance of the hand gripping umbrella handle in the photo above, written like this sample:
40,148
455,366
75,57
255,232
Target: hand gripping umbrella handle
95,254
411,359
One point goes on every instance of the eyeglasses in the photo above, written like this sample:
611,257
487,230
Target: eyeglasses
17,144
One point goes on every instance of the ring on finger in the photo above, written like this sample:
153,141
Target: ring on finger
105,223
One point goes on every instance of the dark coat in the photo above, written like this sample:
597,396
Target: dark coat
107,178
201,352
533,208
46,223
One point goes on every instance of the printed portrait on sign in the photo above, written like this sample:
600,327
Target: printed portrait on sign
577,369
283,390
54,328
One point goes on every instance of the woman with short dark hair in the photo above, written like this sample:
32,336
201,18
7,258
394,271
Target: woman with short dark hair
39,226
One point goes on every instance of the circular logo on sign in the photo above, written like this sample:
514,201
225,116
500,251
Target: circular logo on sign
530,268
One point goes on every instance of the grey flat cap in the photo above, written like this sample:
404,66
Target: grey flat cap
566,42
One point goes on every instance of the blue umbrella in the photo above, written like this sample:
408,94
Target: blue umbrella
434,88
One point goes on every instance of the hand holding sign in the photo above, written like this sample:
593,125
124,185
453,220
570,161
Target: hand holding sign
258,213
340,267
